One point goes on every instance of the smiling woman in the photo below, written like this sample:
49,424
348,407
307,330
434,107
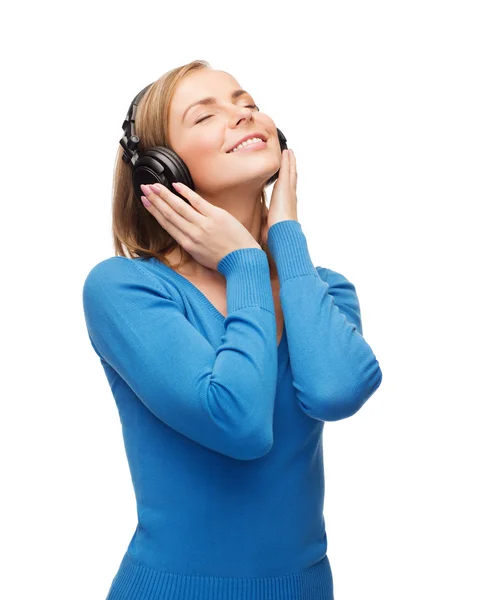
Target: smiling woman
222,383
202,129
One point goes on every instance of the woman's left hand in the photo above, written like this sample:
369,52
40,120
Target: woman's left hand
283,204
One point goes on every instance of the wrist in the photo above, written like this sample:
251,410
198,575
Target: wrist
290,217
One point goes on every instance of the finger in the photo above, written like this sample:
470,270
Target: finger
160,215
188,211
284,170
161,201
293,173
197,202
285,156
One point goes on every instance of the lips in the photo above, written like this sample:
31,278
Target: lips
248,137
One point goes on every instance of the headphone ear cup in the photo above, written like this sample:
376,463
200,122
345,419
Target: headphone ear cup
161,165
283,144
155,165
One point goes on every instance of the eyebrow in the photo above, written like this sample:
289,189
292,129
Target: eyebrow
212,100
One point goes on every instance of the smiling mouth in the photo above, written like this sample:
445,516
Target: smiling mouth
254,146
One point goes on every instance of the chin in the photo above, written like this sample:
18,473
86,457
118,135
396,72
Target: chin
257,177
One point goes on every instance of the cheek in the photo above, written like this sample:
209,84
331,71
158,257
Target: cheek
203,147
203,156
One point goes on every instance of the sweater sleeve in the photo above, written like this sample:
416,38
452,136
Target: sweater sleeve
222,398
333,367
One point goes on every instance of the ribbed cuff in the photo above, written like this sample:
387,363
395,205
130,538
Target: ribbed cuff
248,279
287,244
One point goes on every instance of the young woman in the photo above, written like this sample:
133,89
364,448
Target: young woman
226,351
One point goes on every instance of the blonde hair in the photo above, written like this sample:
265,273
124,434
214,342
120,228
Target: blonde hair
135,231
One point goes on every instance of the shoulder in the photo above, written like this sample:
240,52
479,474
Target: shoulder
107,266
121,274
109,270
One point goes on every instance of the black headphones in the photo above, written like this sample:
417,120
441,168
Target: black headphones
160,164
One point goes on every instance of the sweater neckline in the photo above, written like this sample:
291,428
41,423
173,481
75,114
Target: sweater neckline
205,299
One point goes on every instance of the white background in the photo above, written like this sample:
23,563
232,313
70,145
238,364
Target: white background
387,107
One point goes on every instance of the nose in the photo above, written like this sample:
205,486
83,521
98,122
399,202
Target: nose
244,113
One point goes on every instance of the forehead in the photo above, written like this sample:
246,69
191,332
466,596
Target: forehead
197,85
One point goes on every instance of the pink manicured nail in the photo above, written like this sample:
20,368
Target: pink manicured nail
145,201
145,189
154,188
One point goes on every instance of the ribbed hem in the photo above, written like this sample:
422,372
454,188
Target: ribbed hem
136,582
248,280
287,244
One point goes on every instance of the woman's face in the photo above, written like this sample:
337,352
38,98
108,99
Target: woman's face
203,134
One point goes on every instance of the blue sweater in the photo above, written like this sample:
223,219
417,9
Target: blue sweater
222,427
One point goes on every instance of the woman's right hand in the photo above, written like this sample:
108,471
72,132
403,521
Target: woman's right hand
208,233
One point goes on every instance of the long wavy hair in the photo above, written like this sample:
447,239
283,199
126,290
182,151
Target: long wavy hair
135,231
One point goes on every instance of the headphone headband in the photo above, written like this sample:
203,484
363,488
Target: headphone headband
130,140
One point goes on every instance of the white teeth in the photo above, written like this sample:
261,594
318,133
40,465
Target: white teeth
250,141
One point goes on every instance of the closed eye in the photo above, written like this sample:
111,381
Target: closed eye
207,117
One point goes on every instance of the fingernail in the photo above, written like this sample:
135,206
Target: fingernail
146,189
145,201
154,188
